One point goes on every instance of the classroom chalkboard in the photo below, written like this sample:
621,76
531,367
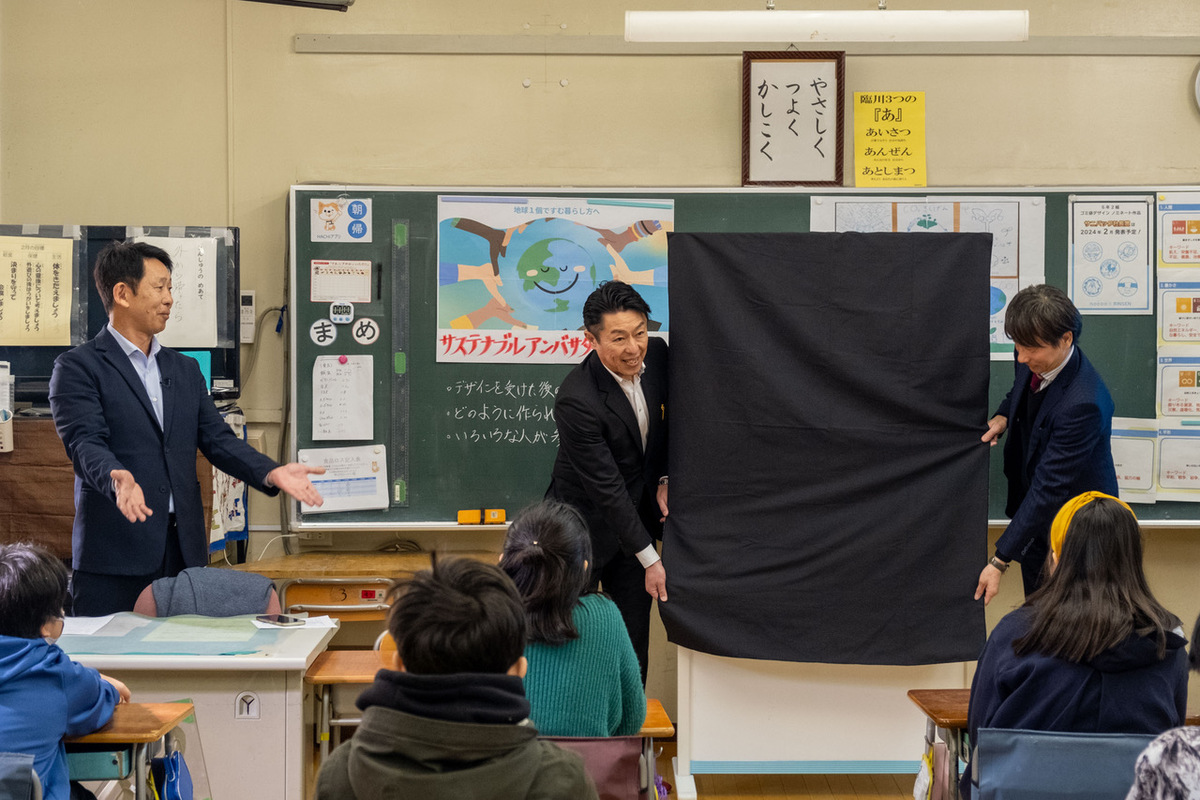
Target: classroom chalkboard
474,436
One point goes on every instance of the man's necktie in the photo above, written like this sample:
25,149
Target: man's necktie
1035,381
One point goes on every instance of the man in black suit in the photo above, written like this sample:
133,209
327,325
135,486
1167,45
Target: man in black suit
131,414
611,413
1059,419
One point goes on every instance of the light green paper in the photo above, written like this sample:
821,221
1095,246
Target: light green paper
202,629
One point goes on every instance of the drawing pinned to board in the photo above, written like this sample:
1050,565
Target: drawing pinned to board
1017,225
340,219
513,272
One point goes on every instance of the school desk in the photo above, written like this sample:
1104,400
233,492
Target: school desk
350,586
246,683
945,711
134,727
354,669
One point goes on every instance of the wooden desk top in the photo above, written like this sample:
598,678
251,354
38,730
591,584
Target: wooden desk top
339,565
360,666
347,666
138,723
658,724
948,707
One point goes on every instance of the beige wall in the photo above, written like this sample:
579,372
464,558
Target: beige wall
202,112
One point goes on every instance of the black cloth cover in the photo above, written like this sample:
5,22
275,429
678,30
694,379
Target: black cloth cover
828,484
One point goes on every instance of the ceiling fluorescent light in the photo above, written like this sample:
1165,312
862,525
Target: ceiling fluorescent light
826,26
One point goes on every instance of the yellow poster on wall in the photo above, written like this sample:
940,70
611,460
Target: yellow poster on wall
889,139
36,276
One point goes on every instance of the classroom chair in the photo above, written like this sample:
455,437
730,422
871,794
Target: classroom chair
209,591
617,764
1047,765
18,779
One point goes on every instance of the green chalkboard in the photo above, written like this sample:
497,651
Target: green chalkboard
471,436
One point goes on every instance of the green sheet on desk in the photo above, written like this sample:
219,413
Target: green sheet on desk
187,635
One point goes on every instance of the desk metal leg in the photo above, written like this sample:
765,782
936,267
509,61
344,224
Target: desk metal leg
953,741
141,758
326,713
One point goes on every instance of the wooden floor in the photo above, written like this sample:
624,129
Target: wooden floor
791,787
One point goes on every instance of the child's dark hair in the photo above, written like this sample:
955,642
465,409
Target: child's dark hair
547,552
33,590
1098,594
461,616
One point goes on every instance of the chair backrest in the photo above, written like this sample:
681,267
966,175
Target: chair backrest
1044,765
615,764
209,591
18,781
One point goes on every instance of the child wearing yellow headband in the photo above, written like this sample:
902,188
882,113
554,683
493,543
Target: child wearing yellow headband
1091,651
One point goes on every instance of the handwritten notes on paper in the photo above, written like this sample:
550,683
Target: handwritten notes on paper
36,276
193,321
342,398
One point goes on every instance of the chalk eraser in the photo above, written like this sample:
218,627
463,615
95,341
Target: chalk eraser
471,516
492,516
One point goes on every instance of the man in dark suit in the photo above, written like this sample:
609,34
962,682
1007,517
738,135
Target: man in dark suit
1058,415
131,414
612,452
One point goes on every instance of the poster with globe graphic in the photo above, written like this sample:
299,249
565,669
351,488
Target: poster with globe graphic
514,272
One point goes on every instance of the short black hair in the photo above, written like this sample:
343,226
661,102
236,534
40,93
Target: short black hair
610,297
547,553
33,589
124,262
461,616
1041,315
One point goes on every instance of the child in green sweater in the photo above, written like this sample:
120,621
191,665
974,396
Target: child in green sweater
583,677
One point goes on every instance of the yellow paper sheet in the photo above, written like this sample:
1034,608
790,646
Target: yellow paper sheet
36,275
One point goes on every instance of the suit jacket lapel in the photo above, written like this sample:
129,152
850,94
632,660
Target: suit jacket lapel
1054,394
111,350
615,399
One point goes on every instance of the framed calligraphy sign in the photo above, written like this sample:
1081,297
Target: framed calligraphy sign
792,130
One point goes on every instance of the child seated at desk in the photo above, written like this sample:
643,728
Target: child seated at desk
1092,651
452,720
1169,769
583,677
44,695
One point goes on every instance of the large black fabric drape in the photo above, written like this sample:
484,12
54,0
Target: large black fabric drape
828,484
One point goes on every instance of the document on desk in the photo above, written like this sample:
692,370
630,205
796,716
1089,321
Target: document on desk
355,478
83,626
190,628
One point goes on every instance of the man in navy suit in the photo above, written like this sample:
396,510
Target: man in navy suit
612,452
132,414
1058,416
